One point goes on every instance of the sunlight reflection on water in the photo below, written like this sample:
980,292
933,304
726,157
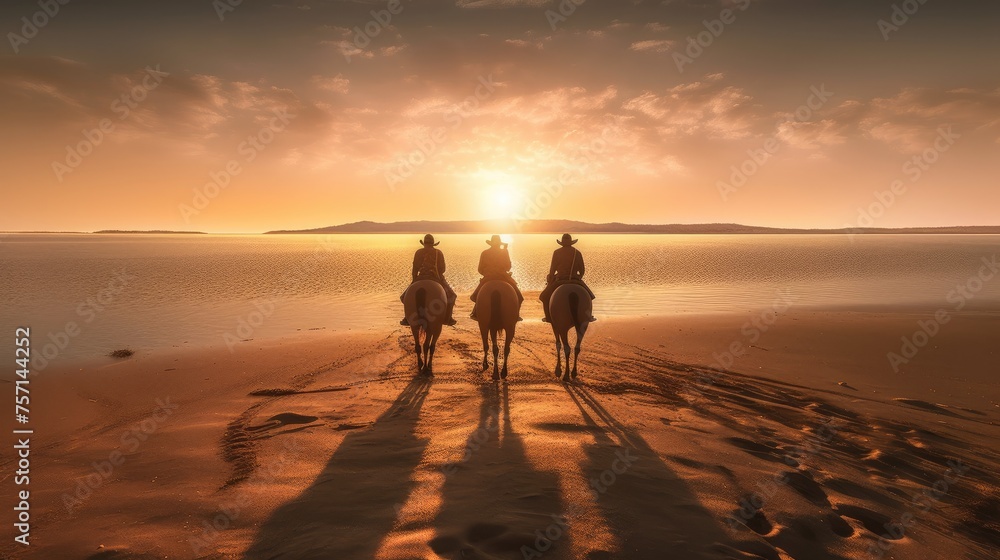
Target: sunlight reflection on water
192,289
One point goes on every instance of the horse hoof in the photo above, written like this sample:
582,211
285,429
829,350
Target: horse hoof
503,374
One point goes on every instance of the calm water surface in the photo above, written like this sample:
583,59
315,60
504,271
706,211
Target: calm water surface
174,290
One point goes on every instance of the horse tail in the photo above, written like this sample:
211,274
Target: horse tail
421,298
496,319
574,307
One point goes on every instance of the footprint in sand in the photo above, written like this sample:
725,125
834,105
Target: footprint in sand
767,451
854,490
871,520
283,419
481,539
928,406
807,487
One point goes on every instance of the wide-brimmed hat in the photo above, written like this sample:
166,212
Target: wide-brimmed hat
567,240
429,241
494,241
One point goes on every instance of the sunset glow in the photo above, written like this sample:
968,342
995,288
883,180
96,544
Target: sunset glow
794,114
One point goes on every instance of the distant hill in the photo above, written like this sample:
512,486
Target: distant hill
157,231
560,226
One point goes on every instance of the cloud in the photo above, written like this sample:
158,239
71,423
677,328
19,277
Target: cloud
812,135
653,45
336,84
909,120
501,3
706,107
522,44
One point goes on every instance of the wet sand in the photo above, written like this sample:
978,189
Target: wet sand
806,446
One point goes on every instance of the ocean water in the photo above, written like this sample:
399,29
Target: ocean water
156,291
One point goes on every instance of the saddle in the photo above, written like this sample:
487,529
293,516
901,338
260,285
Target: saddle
556,282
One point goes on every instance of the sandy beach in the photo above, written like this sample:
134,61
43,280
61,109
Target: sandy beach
806,446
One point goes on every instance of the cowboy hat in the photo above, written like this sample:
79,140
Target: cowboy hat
495,241
429,241
567,240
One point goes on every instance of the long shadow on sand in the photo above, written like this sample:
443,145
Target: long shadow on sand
495,503
647,506
351,505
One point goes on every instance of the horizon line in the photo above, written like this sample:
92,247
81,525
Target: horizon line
621,228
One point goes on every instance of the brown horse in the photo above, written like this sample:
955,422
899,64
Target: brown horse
497,310
569,307
425,304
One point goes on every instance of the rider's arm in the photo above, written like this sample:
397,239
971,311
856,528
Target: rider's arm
579,263
482,264
440,258
416,265
506,261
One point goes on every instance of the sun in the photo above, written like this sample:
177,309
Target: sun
502,194
503,201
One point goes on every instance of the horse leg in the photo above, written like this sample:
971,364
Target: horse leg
507,336
486,349
496,353
558,354
416,346
428,337
430,356
565,342
581,330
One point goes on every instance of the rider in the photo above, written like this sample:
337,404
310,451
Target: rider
494,264
567,266
428,264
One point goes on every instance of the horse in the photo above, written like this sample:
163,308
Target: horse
425,304
497,310
569,306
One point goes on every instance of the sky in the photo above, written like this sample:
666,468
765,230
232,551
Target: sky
243,116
